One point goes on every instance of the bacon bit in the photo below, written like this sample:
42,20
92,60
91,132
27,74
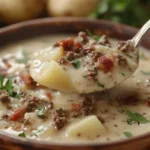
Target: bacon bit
28,80
67,44
105,63
49,95
70,45
77,47
17,114
75,107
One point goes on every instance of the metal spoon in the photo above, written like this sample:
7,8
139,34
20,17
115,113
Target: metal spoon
140,34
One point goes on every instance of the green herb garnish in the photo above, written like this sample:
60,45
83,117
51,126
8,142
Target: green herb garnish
6,84
146,73
9,87
76,64
95,37
96,72
41,113
24,59
128,134
101,85
22,134
119,11
123,74
134,117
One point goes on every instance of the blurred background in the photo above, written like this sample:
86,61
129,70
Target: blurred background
131,12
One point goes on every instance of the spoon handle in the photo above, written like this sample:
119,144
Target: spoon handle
137,38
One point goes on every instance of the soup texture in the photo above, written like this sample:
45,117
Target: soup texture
34,111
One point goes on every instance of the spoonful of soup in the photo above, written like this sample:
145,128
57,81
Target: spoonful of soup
87,63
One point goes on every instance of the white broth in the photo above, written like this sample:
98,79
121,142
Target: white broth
32,111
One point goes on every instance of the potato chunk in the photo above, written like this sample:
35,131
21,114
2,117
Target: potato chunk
20,10
71,7
52,75
52,54
88,127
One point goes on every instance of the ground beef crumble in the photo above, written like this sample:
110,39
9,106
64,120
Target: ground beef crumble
32,102
121,60
104,41
59,118
125,46
87,106
4,97
95,55
76,48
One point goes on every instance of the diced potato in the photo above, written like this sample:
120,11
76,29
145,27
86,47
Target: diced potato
53,76
27,9
71,7
88,127
54,54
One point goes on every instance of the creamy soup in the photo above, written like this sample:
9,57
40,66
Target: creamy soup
33,111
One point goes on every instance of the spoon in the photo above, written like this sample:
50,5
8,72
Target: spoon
138,37
98,66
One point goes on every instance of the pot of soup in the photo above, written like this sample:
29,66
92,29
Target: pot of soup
73,84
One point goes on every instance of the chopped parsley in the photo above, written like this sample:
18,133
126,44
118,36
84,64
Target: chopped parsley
22,134
7,84
123,74
134,117
41,113
146,73
128,134
76,64
95,70
24,58
101,85
95,37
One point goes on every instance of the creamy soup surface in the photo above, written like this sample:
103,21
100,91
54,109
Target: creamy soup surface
30,110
